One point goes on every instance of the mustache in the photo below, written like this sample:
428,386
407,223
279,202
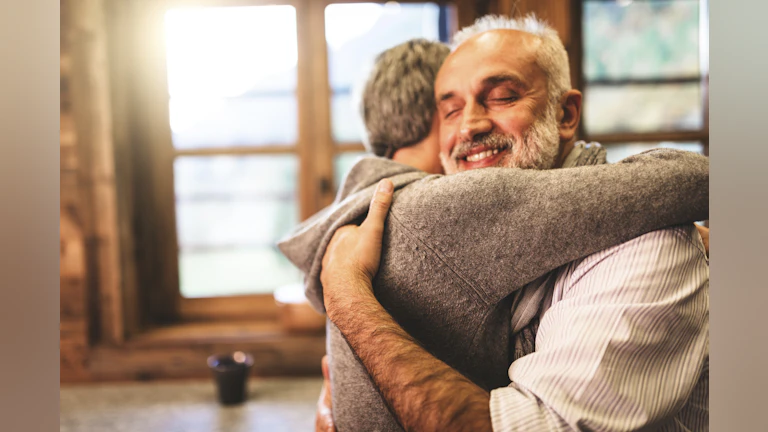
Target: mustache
493,141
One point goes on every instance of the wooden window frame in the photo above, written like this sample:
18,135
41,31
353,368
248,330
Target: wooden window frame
153,298
150,298
580,81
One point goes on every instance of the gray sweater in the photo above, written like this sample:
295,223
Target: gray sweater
456,247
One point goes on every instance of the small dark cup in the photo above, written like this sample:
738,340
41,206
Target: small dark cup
230,372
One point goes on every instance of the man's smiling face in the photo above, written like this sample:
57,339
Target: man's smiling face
492,104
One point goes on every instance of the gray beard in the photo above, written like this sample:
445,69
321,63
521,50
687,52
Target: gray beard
539,149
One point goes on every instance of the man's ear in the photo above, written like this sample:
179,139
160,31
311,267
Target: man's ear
569,114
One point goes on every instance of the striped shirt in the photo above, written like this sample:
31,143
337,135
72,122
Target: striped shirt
622,343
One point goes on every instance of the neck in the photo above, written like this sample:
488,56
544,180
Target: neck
417,157
565,149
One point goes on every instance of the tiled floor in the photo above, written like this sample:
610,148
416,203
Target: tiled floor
274,405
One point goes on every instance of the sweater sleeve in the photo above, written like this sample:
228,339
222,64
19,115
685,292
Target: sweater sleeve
500,228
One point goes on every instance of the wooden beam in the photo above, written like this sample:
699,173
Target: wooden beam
231,308
237,151
67,143
644,81
156,245
121,58
576,53
73,315
315,128
556,12
73,362
222,3
349,147
91,110
178,353
680,136
207,333
466,12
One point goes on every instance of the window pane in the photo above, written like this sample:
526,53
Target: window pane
236,271
642,108
230,213
355,34
617,152
243,121
641,39
346,121
343,163
232,75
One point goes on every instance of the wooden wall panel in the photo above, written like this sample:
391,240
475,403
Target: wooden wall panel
73,324
73,364
89,90
73,321
555,12
67,141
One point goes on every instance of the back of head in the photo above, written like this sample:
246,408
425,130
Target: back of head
398,101
552,57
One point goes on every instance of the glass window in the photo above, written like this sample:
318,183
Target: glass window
232,82
641,39
232,76
230,213
355,33
342,163
234,271
242,121
642,108
617,152
642,66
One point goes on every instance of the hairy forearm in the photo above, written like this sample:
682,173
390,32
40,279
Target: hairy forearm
424,393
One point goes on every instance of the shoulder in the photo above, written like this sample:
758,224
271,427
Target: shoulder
676,240
663,259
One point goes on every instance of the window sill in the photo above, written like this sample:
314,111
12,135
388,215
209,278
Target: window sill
181,351
206,333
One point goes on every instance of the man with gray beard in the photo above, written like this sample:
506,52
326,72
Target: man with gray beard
464,254
617,340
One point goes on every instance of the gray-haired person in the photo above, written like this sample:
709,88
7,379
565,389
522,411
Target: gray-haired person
398,104
457,248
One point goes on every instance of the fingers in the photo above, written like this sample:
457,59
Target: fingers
704,233
324,416
326,382
377,212
324,363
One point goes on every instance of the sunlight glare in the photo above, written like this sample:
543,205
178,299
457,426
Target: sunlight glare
344,22
226,51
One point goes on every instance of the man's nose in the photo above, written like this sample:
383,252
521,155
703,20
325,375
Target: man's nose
474,122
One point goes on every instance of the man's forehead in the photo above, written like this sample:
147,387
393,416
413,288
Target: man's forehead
500,39
503,50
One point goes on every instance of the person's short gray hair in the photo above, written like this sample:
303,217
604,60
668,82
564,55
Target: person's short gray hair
398,100
551,56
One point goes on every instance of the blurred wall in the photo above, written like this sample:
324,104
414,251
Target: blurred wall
73,317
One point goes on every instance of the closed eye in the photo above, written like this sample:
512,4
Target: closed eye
501,101
501,94
451,113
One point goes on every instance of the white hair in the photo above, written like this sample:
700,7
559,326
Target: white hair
551,56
